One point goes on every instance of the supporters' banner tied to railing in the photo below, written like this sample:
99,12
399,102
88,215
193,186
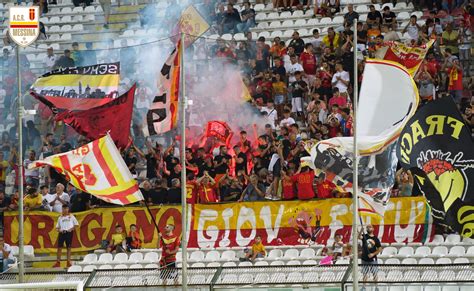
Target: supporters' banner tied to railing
409,56
388,98
437,146
113,117
96,168
234,224
163,113
97,81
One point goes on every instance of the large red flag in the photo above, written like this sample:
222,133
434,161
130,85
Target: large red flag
114,117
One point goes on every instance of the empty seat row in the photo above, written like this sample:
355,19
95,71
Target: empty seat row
67,19
425,261
293,277
121,258
426,251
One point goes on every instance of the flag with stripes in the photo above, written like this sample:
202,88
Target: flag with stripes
96,168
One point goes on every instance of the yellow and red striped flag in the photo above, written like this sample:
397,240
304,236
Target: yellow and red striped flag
96,168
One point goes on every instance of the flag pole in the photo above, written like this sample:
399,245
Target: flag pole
355,170
21,253
184,240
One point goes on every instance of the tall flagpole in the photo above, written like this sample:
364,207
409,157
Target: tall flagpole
355,171
184,220
21,253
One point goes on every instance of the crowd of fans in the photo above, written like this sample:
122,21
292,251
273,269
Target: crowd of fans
302,87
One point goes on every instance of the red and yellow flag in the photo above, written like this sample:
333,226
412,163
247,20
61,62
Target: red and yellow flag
96,168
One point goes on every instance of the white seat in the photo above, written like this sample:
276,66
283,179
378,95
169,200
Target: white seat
119,281
293,263
443,261
461,261
230,279
66,10
78,27
277,263
457,251
29,251
66,18
388,252
429,275
229,264
286,24
259,7
411,275
135,258
120,258
338,20
291,254
405,252
120,267
297,14
423,251
105,267
325,20
361,9
451,288
394,275
277,24
275,254
214,265
403,15
151,266
74,268
261,263
245,264
212,256
246,278
16,250
198,265
277,278
309,262
300,22
262,278
89,9
136,280
264,34
136,266
409,261
66,28
439,251
89,268
294,277
54,29
310,277
65,36
307,253
470,251
392,261
328,277
105,258
273,15
342,262
453,239
426,261
227,36
228,255
446,275
151,257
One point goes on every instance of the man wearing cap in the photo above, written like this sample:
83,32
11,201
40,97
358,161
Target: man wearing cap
65,61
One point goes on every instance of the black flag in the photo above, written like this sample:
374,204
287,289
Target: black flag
437,146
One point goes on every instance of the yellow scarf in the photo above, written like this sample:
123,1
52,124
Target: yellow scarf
453,76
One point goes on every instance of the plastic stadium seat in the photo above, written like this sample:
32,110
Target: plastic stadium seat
429,275
212,256
392,261
54,28
294,277
362,9
120,267
105,258
285,15
136,280
227,36
446,275
342,262
426,261
310,277
260,17
277,24
307,253
89,9
261,263
470,251
461,261
77,10
245,264
443,261
313,22
135,258
277,263
276,33
230,279
136,266
214,265
403,15
451,288
328,277
275,254
66,10
277,278
293,263
467,241
105,267
309,262
89,268
198,265
286,24
151,266
457,251
291,254
239,36
74,268
325,20
409,261
120,258
262,278
412,275
78,27
151,257
388,252
297,14
119,281
15,250
300,22
66,36
228,264
228,255
405,252
288,33
439,251
66,18
414,288
338,20
246,278
273,15
259,7
423,251
394,275
264,34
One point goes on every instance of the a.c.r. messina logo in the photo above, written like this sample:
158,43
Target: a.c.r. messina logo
24,25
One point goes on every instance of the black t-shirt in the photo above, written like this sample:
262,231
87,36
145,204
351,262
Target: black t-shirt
299,88
242,166
369,245
230,194
148,194
374,15
171,161
362,36
174,196
5,202
159,196
298,45
171,176
280,71
79,202
388,18
222,169
151,163
129,161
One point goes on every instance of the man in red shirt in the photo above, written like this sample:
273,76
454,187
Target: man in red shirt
338,98
169,247
288,191
206,191
191,189
308,61
304,183
324,187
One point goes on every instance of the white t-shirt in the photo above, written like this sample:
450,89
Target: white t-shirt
58,206
49,61
287,122
66,222
272,115
412,31
339,84
7,248
292,69
30,173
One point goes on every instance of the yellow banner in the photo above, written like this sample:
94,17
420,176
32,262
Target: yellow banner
233,224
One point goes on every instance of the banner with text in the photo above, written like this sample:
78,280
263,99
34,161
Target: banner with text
237,224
